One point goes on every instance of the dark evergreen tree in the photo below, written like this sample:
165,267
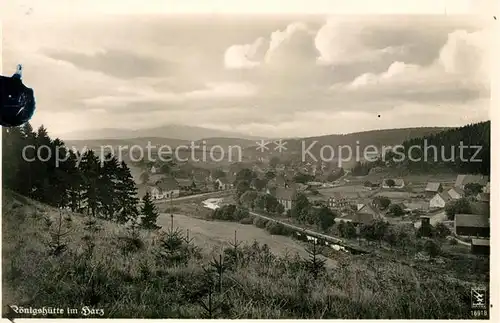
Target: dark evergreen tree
108,186
90,168
126,194
149,213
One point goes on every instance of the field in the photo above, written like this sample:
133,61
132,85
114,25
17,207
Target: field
214,234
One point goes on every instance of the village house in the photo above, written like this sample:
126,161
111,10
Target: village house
463,180
398,183
472,225
285,197
223,184
337,201
439,200
480,246
365,215
153,169
166,188
456,193
433,188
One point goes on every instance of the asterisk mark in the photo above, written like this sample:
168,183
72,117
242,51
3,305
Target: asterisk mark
262,145
280,145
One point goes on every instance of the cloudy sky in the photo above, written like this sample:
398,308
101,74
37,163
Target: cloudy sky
265,75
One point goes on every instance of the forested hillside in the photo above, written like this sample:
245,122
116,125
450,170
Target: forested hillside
475,156
42,168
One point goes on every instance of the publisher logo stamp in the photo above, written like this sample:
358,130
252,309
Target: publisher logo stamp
478,298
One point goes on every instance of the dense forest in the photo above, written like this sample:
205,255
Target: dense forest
462,150
443,150
44,169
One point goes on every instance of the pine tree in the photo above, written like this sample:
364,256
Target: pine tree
107,188
90,168
149,213
126,194
314,264
75,190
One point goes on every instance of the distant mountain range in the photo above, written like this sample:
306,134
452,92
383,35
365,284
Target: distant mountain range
156,142
174,135
378,138
172,131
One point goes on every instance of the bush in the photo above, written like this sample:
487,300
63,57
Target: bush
230,213
432,248
260,222
276,228
396,210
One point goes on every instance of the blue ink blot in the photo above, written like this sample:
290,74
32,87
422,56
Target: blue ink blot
17,104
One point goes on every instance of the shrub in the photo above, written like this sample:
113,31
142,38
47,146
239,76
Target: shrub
432,248
277,228
260,222
230,213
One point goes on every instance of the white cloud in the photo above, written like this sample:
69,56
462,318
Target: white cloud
244,56
339,41
293,45
396,73
467,54
461,65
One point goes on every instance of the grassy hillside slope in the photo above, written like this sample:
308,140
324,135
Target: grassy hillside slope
103,265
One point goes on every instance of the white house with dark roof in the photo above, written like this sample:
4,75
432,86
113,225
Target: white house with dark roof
285,197
439,200
166,188
366,214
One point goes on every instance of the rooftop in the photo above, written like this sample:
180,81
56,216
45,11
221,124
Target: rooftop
433,187
445,196
471,220
284,193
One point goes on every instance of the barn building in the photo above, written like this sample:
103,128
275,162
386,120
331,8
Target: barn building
472,225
